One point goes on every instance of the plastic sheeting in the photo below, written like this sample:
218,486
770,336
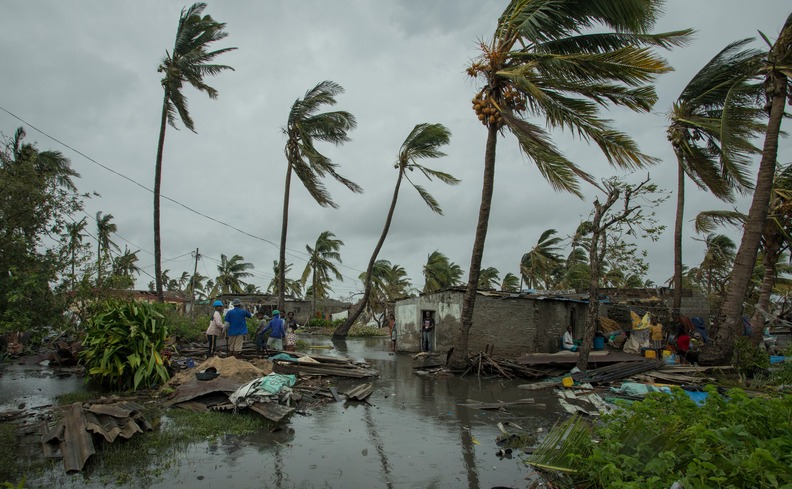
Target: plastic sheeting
262,389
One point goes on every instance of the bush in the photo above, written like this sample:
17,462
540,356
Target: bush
324,323
731,441
359,331
748,359
123,345
185,328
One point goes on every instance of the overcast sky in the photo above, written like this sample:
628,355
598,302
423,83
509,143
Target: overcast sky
85,73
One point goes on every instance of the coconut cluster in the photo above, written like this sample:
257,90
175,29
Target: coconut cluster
487,111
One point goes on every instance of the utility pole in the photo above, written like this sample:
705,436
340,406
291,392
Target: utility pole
192,285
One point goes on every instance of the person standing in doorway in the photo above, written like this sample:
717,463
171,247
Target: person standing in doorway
215,328
427,330
276,331
237,327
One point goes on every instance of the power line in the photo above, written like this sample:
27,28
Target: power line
294,253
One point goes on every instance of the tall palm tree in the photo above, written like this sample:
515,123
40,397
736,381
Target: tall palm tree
537,265
189,62
712,124
321,265
561,60
488,278
104,228
230,273
727,326
510,283
74,236
423,142
440,272
305,126
776,238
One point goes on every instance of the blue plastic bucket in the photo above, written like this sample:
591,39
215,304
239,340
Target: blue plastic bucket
599,343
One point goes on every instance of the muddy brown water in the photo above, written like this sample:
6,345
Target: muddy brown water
413,433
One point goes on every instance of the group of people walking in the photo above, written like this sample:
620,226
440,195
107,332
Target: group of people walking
234,326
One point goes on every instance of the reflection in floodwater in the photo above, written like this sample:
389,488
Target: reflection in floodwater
412,432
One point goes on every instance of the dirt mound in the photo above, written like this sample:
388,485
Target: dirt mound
241,371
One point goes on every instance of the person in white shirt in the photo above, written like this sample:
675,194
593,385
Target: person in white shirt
568,342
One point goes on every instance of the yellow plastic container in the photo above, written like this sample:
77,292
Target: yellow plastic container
568,381
650,354
666,354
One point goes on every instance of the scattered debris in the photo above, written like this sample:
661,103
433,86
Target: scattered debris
72,434
360,393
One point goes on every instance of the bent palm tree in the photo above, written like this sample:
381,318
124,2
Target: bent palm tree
189,62
488,278
304,127
712,124
510,283
321,266
423,142
546,60
230,273
727,325
537,265
440,272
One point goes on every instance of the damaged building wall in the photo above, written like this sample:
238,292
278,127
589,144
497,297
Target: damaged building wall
516,325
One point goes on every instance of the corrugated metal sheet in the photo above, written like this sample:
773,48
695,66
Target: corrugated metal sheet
73,439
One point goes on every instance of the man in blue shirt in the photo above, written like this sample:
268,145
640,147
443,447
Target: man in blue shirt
237,327
276,332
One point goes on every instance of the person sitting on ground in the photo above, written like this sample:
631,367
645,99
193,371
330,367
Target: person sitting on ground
568,341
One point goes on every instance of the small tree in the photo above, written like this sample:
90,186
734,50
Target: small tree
608,224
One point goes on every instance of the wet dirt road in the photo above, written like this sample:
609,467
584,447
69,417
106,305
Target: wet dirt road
414,434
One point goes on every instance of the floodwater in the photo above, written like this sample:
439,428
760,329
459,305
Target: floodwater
413,433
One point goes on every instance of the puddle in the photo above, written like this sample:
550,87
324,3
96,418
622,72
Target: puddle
413,434
34,386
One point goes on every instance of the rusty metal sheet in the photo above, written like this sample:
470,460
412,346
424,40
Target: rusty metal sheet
122,409
75,442
271,410
111,427
195,388
204,403
360,392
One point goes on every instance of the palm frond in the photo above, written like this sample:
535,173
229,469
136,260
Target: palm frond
571,437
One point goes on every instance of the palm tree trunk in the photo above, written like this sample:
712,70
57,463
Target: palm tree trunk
157,190
728,324
680,211
596,252
284,228
459,357
343,329
772,252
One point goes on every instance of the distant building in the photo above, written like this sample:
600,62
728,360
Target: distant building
527,322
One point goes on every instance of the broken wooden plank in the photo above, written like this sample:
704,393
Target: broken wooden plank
334,393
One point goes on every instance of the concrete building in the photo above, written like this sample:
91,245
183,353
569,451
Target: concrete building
528,322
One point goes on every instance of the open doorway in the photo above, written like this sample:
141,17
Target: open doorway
427,330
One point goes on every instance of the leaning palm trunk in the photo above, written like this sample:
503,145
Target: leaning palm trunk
284,229
343,329
459,356
727,325
157,190
680,215
772,252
